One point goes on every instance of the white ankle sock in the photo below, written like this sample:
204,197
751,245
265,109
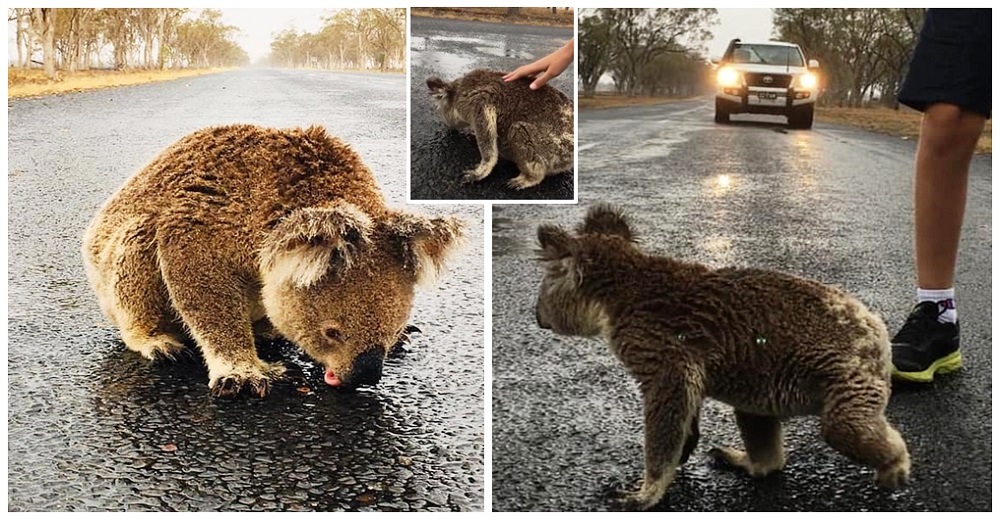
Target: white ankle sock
945,299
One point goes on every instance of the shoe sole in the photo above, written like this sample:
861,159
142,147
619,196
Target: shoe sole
947,364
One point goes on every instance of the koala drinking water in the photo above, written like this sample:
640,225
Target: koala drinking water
238,228
532,128
769,344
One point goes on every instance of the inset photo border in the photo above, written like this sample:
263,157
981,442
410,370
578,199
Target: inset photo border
477,134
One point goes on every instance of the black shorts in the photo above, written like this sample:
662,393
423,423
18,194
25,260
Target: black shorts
952,62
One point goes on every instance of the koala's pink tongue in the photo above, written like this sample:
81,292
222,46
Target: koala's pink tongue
331,378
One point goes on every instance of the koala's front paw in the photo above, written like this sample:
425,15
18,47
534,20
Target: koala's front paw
479,172
895,475
470,176
633,500
733,458
256,379
158,348
522,182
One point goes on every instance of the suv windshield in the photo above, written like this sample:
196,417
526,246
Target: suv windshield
766,55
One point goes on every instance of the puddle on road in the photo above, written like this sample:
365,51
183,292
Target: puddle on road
721,184
719,249
612,151
511,237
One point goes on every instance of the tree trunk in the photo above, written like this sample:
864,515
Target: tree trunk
45,19
29,40
74,42
161,38
147,51
20,37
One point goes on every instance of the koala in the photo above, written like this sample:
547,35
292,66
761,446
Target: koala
769,344
237,229
532,128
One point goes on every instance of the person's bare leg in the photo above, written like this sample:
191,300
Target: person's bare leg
948,137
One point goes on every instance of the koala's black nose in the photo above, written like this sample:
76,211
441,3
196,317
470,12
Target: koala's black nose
368,368
538,318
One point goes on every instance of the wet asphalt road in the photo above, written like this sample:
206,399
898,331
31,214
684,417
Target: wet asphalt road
833,204
93,427
438,155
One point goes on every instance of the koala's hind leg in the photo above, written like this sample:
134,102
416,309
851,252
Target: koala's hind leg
484,125
762,439
853,423
217,314
670,405
692,440
135,297
532,168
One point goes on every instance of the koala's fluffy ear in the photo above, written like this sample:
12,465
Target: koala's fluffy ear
555,242
437,87
309,242
426,242
604,219
557,250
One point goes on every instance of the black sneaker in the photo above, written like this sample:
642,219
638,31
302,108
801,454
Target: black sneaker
924,346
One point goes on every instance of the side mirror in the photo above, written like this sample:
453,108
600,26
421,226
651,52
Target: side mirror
813,64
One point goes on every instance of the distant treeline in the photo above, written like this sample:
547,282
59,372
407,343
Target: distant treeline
650,52
364,39
78,39
863,53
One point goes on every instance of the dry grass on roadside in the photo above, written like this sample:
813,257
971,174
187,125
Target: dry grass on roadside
32,82
903,122
528,15
611,100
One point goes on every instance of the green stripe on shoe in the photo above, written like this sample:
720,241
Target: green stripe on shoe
949,363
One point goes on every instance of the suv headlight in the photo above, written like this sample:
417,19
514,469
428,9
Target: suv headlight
727,77
807,81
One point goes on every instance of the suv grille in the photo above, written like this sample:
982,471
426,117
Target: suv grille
757,79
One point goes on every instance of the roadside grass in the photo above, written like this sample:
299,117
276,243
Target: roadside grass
904,122
32,82
612,100
527,16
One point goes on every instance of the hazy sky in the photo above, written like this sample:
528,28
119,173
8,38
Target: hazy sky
257,25
745,24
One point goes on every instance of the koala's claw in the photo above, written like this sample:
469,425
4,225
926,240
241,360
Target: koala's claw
157,349
185,355
257,382
521,183
473,175
226,387
631,501
894,476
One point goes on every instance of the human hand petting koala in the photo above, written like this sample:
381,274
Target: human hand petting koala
545,68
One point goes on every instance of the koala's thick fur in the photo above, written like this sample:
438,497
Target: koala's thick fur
532,128
241,227
769,344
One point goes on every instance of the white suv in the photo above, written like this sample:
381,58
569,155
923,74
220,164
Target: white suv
766,78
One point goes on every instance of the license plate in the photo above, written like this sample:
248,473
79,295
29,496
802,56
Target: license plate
770,98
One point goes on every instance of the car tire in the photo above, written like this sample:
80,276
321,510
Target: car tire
802,117
721,114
